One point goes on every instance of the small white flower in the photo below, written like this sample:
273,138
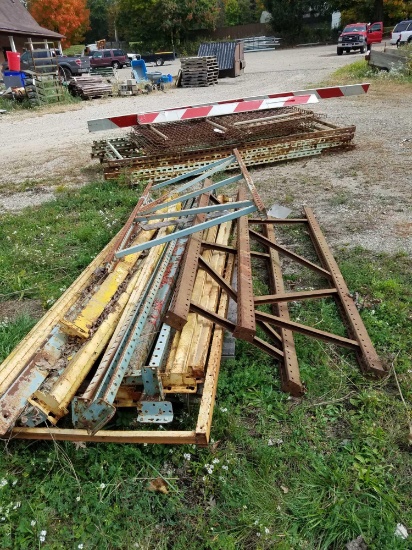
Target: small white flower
270,442
267,531
14,482
43,533
3,482
401,531
81,546
42,539
245,507
258,534
187,456
215,461
224,467
256,522
102,486
33,522
223,409
78,499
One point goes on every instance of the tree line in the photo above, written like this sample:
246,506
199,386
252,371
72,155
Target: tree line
165,23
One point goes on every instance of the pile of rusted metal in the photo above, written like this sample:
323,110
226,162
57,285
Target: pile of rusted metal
267,129
143,326
88,87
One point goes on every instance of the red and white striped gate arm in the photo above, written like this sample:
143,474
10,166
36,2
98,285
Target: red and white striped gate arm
230,106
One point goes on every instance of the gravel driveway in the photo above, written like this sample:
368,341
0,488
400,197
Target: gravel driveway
361,196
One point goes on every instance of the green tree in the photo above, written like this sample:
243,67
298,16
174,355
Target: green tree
388,11
157,22
287,15
98,20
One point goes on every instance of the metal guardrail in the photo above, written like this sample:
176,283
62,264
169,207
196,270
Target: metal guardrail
259,43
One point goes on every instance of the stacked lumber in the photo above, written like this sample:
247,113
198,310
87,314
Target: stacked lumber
199,71
88,87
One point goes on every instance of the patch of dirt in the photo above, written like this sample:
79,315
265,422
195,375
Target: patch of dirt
11,309
361,197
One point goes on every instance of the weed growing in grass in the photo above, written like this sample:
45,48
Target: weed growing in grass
11,333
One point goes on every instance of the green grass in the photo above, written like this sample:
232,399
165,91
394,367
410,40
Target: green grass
360,71
43,249
287,474
24,104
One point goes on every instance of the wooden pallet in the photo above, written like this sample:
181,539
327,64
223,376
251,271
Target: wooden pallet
198,72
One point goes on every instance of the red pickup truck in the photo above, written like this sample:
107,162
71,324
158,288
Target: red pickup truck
359,36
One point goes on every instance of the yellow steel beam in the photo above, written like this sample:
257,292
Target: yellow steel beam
94,308
175,373
54,403
105,436
13,365
86,319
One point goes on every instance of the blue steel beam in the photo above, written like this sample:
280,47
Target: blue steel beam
188,231
194,211
208,189
94,414
190,174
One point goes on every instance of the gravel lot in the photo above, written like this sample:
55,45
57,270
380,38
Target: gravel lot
361,197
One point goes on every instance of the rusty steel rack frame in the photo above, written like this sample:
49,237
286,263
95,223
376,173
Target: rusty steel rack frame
282,345
168,164
276,326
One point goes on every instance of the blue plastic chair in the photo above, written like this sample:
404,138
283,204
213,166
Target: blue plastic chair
139,69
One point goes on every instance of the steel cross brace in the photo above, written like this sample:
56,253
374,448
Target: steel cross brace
231,327
360,341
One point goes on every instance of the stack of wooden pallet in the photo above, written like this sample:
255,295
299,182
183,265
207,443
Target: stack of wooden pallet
198,71
90,86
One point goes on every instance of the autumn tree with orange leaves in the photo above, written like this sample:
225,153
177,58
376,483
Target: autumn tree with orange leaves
68,17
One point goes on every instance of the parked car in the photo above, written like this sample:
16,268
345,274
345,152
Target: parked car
109,58
359,36
158,57
402,33
40,61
